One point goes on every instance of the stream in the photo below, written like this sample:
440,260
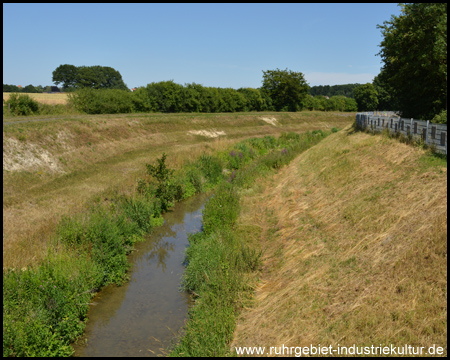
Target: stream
145,315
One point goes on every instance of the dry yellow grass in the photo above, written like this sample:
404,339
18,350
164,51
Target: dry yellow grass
52,168
354,234
51,99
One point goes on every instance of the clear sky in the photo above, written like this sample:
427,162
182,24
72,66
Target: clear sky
219,45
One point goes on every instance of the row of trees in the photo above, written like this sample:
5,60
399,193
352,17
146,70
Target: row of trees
333,90
169,97
29,89
334,103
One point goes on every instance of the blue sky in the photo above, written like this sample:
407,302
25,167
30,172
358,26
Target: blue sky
219,45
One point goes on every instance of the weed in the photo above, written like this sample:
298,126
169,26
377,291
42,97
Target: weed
165,190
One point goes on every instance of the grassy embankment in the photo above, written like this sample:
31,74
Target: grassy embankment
354,241
52,168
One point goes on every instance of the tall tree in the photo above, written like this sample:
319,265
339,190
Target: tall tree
286,88
66,75
414,52
366,97
387,97
94,77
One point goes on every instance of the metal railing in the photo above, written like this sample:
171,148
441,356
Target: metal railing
434,135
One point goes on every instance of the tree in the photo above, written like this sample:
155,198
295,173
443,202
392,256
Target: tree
414,52
165,96
65,75
94,77
255,101
387,98
287,89
366,97
29,89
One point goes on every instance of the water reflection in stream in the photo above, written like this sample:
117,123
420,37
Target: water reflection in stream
141,317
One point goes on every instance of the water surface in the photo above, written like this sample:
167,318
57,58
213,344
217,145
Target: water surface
143,317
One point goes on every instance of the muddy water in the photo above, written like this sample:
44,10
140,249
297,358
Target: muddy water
142,317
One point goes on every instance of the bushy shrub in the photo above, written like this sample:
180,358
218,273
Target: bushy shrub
165,189
99,235
22,104
440,118
44,309
195,177
102,101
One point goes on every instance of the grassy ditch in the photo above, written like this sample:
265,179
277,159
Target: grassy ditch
53,165
45,306
219,260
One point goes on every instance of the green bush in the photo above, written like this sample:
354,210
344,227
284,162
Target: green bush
99,235
44,309
102,101
165,190
440,118
22,104
195,178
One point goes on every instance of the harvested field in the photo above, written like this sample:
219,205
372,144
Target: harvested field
51,99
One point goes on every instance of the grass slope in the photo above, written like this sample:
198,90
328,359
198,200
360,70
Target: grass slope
354,235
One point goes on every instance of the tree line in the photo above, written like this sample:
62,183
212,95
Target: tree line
333,90
281,90
29,89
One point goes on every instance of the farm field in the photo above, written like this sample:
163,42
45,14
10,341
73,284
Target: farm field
51,99
54,167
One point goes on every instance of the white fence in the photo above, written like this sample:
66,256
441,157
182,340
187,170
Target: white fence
431,134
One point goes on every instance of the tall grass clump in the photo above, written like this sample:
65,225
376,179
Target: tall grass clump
44,309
